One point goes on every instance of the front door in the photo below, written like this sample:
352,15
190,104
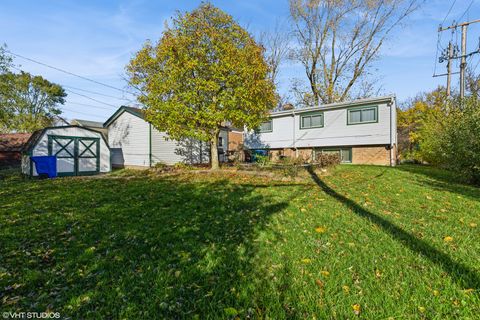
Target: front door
75,155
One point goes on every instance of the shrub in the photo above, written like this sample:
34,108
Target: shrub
160,166
290,166
182,166
453,140
262,161
324,160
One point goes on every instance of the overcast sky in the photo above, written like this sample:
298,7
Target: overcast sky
96,39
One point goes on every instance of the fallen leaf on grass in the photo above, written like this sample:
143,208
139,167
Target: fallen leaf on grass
324,273
320,229
421,309
436,293
230,311
306,260
448,239
473,225
346,289
319,283
357,309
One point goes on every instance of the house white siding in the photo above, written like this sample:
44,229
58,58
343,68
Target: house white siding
286,131
170,151
136,143
128,137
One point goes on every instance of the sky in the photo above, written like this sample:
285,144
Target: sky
96,39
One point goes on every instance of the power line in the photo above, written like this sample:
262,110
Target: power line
468,8
97,93
83,113
89,105
449,10
90,98
67,72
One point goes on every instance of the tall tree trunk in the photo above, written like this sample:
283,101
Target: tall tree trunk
214,150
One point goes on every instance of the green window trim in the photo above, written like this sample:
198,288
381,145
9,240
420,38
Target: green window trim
340,150
259,130
310,115
76,155
365,108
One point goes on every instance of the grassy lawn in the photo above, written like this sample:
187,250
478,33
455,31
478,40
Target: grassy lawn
363,242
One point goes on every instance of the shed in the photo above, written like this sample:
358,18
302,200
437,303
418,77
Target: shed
11,145
79,151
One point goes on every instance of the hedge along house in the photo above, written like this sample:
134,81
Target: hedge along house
362,131
79,151
136,143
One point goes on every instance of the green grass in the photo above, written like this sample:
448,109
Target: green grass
133,245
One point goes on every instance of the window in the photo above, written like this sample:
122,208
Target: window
345,154
266,127
362,115
311,120
220,142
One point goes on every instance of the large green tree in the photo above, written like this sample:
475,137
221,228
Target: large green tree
28,102
205,71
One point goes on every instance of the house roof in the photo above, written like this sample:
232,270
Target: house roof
87,123
337,105
32,141
132,110
13,141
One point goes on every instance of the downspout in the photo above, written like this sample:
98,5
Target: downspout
149,144
391,127
294,135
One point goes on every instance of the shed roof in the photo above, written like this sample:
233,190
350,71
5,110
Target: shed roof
39,133
87,123
13,141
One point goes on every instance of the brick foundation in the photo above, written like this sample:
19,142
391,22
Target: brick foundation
377,155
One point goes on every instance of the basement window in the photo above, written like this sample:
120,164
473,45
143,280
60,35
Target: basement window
345,154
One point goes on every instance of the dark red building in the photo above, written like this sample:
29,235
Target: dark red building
11,145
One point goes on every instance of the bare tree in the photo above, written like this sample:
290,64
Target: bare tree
276,46
339,39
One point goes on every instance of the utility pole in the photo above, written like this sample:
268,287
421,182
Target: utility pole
463,56
463,63
449,69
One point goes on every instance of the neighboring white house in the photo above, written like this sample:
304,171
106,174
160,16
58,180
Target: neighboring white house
134,142
79,151
362,131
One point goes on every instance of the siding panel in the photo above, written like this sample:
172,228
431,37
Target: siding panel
286,131
128,137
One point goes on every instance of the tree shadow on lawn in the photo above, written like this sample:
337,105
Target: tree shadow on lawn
159,248
441,179
460,273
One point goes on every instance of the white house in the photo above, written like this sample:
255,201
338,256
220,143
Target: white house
79,151
134,142
362,131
